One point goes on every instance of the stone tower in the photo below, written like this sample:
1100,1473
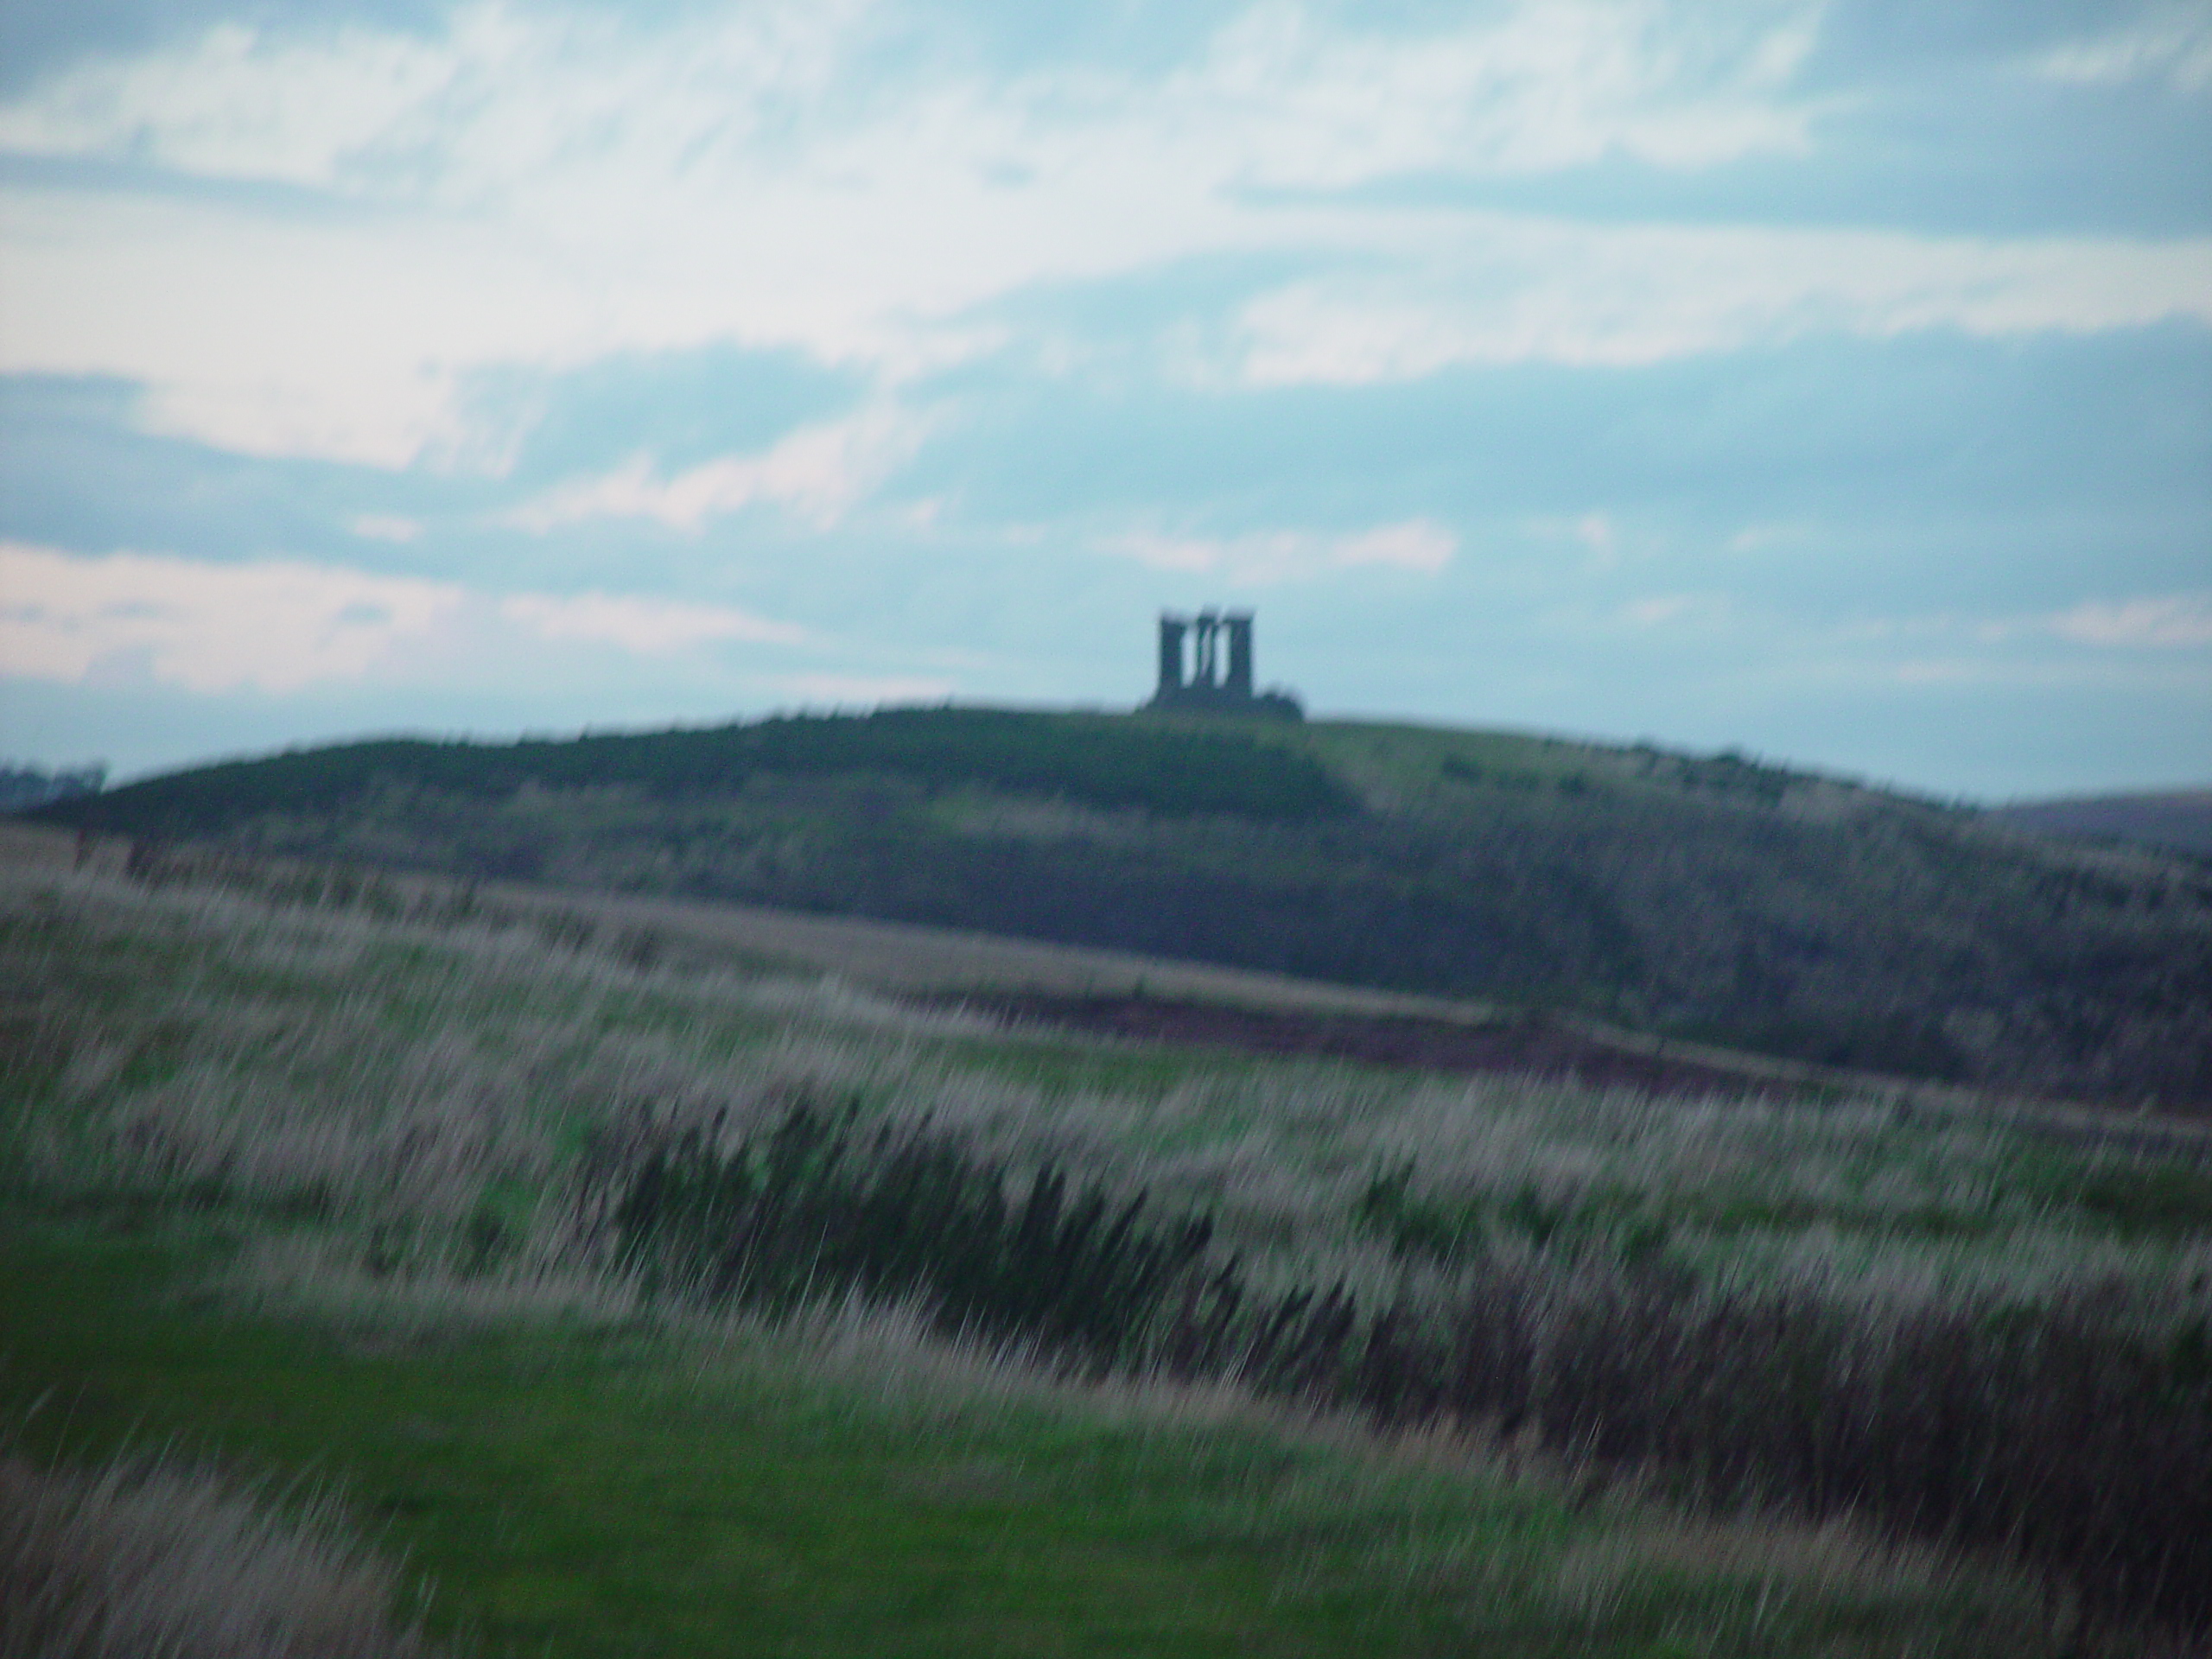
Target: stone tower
1214,675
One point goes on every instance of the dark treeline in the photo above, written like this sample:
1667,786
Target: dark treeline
2076,1438
1167,770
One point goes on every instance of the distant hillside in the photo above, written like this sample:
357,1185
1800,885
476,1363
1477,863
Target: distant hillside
1099,761
2180,819
23,788
1708,897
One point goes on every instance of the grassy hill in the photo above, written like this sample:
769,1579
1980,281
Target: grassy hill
2177,820
1714,898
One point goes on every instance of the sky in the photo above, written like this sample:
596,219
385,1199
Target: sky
1830,380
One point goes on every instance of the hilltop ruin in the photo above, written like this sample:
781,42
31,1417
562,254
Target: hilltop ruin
1205,667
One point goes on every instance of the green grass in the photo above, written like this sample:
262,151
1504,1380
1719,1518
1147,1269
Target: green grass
1703,898
418,1099
604,1491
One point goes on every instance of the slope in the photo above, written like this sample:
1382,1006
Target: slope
1713,898
2176,820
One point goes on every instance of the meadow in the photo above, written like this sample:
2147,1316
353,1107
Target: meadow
576,1289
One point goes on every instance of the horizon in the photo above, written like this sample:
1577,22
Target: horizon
1587,739
1824,380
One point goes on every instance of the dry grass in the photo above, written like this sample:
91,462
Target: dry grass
152,1557
441,1106
431,1082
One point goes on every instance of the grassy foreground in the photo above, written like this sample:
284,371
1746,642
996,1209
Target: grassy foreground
305,1192
591,1491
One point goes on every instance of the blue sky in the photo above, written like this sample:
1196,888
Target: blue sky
1831,380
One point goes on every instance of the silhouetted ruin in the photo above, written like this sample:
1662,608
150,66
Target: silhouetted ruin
1211,685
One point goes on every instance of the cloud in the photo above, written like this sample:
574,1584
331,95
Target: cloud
1660,609
646,627
387,527
1762,537
1281,94
2175,619
1521,290
237,102
819,473
1269,556
545,189
272,336
527,189
683,407
2165,622
2172,43
281,626
275,626
1525,88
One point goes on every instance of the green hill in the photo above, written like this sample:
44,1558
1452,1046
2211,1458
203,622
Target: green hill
2177,820
1708,897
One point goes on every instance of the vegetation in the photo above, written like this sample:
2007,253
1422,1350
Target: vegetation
24,787
1715,899
2076,1432
147,1555
639,1237
2176,820
1168,771
561,1489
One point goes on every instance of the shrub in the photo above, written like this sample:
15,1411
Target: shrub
2076,1437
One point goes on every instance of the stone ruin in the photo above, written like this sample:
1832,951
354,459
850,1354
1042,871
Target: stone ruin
1205,667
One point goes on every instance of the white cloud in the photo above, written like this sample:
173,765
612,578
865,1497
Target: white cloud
2173,44
1269,556
236,105
387,527
514,108
550,188
276,337
280,625
2162,622
2175,619
1524,88
547,189
646,627
1661,609
1416,544
1519,290
274,626
817,472
1759,538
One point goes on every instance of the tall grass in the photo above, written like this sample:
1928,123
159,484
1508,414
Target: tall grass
818,1207
152,1556
1965,1332
2076,1436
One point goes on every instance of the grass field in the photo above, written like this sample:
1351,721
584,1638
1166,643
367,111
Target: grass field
320,1197
1712,898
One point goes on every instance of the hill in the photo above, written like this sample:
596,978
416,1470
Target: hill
1710,898
2176,820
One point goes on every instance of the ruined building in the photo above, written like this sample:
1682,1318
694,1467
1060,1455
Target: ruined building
1205,666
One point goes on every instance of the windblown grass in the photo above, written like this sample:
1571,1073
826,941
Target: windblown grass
150,1555
846,1483
1966,1332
